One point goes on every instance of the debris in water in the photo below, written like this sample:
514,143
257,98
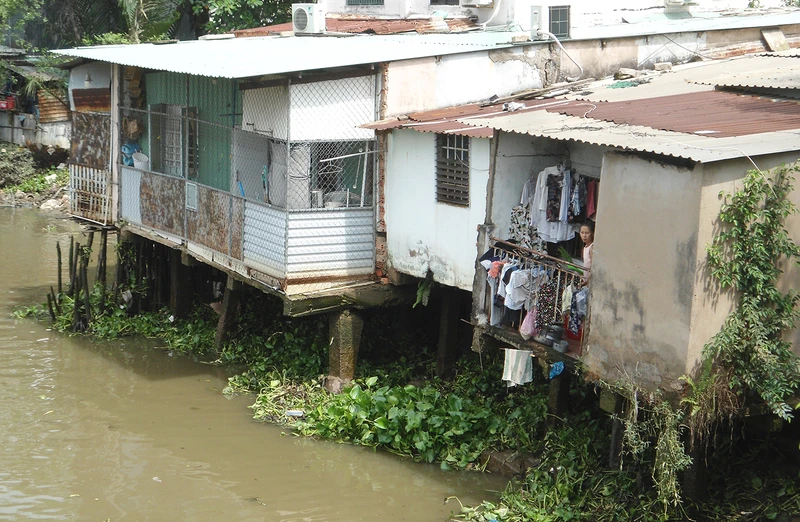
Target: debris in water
294,413
157,479
42,339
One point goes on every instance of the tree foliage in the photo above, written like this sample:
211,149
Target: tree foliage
747,256
229,15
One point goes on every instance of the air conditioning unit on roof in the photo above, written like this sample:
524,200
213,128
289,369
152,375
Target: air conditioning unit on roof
477,3
308,18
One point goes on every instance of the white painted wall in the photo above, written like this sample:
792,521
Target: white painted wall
584,13
266,111
425,235
432,83
99,72
333,109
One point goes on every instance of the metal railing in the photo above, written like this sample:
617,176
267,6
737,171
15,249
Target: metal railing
559,274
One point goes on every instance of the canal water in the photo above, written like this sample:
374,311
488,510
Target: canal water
123,431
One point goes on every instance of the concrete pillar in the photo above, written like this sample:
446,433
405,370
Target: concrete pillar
447,352
344,329
558,401
695,478
229,313
614,403
180,285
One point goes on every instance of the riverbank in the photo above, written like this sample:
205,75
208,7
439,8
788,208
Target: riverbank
33,178
397,405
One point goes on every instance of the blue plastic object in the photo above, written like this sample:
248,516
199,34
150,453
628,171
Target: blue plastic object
556,369
128,150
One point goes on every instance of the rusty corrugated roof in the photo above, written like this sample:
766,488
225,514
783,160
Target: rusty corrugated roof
92,100
446,120
372,26
51,109
710,113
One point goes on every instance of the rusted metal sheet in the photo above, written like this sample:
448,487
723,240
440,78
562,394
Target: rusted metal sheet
92,100
211,224
237,228
709,113
51,109
91,139
89,194
162,202
445,120
363,25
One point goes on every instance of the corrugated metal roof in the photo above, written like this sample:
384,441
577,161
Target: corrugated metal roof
51,109
371,26
712,113
450,120
262,56
764,71
694,147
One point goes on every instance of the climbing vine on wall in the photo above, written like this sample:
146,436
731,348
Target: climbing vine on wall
748,255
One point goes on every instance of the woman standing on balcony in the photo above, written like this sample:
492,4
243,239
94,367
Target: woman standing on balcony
587,236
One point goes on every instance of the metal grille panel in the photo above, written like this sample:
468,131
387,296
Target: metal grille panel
90,193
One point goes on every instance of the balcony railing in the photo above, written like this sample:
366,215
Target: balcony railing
554,276
271,244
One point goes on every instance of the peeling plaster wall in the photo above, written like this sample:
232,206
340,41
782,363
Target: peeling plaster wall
642,286
425,235
432,83
584,13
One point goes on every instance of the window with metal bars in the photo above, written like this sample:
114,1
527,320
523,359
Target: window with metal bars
559,21
452,169
173,140
444,2
364,2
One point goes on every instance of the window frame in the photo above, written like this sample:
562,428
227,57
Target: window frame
560,27
452,169
445,2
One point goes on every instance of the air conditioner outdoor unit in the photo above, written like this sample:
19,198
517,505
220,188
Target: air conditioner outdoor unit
477,3
308,18
540,21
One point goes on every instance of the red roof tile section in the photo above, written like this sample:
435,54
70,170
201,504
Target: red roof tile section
372,26
710,113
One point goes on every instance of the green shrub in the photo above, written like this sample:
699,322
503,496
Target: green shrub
16,165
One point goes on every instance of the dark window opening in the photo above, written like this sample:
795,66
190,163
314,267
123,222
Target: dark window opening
452,169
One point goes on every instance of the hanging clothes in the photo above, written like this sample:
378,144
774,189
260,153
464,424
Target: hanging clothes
550,231
591,198
517,367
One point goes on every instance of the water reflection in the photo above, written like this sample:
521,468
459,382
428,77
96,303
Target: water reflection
122,431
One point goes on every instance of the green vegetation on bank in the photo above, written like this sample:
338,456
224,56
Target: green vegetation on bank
20,171
398,405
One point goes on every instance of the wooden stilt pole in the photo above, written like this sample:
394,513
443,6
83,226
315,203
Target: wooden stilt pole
58,255
55,301
71,256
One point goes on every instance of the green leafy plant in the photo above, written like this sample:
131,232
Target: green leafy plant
750,352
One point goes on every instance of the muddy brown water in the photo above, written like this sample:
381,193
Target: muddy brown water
122,430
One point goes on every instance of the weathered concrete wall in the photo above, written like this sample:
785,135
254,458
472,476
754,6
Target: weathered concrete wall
431,83
602,57
642,285
423,234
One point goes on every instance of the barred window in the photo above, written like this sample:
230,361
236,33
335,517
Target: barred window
444,2
364,2
452,169
173,140
559,21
